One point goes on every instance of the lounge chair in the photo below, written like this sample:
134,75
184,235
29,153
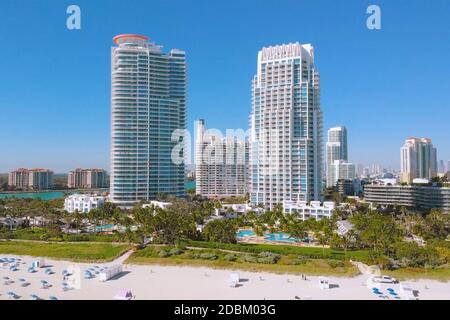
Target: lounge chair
45,284
34,297
124,295
12,295
65,286
52,298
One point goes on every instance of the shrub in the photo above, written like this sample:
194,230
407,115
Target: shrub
205,256
164,254
230,257
335,264
175,251
208,256
268,254
267,260
250,258
297,262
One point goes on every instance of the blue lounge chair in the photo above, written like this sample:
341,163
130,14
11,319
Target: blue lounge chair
45,284
52,298
65,286
7,281
392,293
34,297
12,295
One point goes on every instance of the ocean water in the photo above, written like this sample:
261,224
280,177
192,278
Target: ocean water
51,195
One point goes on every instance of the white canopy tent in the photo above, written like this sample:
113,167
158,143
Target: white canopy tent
234,279
324,283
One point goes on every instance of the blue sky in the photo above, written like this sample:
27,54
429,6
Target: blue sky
384,85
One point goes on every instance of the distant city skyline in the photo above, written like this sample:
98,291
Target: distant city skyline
56,82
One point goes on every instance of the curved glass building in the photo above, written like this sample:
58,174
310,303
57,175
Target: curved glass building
148,103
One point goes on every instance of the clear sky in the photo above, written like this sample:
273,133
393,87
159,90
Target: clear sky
384,85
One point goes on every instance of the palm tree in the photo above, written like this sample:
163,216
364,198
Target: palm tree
322,240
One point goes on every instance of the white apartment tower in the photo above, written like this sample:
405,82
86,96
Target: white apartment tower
418,159
286,127
340,169
148,105
221,163
337,155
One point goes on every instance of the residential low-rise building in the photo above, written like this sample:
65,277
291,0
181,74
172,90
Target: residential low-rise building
412,196
343,227
157,204
83,203
314,209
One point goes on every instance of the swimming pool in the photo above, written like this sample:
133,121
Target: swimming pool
104,227
245,233
280,236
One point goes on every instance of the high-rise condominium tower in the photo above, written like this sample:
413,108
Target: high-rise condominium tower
148,105
286,126
417,159
337,155
221,163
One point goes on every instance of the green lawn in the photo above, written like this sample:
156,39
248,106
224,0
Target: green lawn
79,252
286,264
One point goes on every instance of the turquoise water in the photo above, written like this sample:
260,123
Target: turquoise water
245,233
280,236
276,236
104,227
51,195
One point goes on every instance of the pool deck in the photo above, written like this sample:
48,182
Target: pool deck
262,240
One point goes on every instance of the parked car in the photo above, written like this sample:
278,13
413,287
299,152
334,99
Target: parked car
384,279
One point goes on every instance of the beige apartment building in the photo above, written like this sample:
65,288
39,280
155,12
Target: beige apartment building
87,179
31,179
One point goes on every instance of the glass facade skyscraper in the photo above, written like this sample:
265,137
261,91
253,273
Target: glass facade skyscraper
286,127
148,104
336,150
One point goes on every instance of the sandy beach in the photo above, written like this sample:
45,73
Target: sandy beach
175,283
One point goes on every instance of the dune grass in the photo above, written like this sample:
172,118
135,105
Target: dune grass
440,274
286,264
79,252
311,252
